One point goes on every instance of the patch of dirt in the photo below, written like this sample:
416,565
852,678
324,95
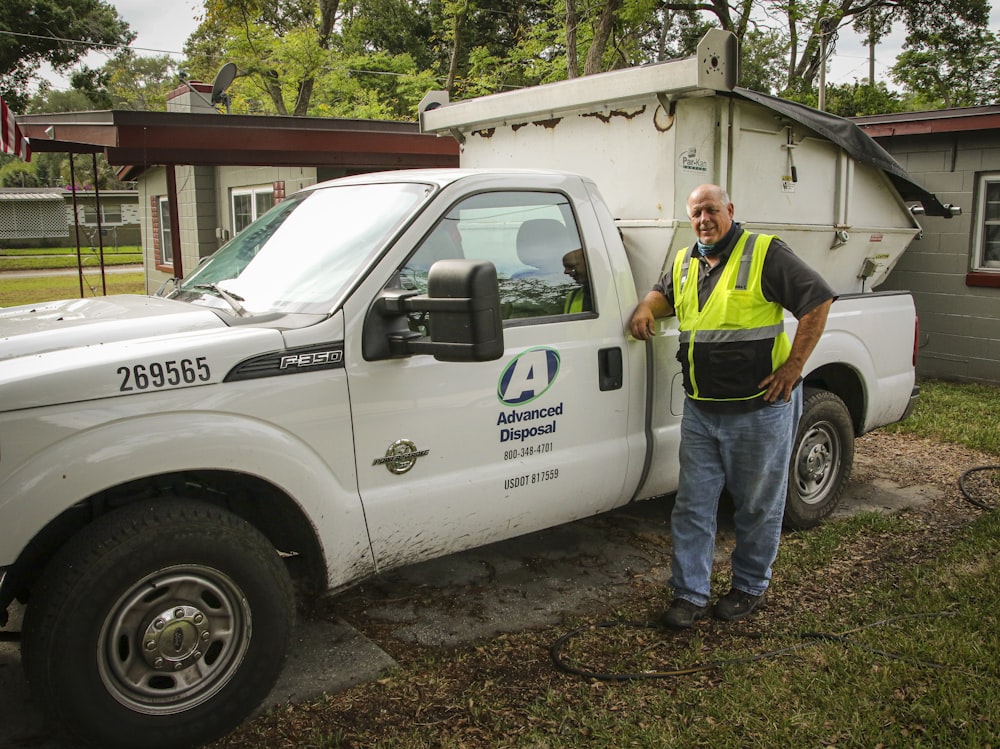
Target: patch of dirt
511,672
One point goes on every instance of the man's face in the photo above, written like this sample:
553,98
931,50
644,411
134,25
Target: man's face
575,266
710,216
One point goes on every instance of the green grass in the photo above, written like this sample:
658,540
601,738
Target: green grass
123,249
64,257
17,290
965,414
913,661
844,694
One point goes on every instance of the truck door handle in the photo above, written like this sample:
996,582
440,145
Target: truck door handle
609,368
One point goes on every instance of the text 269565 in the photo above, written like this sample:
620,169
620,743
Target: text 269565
164,374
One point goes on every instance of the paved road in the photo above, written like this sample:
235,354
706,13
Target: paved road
88,271
527,582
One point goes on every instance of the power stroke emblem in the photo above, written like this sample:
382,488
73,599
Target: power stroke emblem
400,457
528,376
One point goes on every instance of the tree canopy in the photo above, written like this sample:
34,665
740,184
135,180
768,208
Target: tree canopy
376,58
58,32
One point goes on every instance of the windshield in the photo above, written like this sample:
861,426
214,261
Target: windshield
301,255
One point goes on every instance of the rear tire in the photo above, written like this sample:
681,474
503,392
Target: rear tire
159,625
822,458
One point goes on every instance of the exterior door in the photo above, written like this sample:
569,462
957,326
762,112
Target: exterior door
455,455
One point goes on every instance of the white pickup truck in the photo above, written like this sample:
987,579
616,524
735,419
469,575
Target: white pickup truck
379,371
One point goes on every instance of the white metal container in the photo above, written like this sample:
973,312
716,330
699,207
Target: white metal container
649,135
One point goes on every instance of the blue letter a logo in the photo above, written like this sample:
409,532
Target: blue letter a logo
528,375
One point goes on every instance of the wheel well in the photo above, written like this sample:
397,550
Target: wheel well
258,502
845,383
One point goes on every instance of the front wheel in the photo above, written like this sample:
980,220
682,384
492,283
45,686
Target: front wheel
822,458
159,625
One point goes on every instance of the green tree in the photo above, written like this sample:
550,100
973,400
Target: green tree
370,58
955,66
35,32
279,45
858,99
139,83
16,173
52,169
49,99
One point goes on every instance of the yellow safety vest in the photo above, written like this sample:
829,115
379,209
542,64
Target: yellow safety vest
574,302
738,338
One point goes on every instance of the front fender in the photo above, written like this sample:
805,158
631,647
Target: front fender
107,455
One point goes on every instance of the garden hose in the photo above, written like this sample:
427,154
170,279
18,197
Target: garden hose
973,486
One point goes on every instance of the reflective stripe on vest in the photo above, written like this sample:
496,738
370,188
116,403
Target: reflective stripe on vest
738,338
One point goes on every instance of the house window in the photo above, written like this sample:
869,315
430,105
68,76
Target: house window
987,242
249,204
166,244
110,214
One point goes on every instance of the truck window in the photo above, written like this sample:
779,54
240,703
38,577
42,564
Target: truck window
529,236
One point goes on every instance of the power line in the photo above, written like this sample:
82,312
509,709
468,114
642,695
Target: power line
89,44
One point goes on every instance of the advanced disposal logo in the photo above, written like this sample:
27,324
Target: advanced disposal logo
528,376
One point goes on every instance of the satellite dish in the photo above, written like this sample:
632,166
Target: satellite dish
223,80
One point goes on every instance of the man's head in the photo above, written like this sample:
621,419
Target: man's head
711,213
575,266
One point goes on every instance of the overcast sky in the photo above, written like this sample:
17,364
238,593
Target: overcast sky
162,28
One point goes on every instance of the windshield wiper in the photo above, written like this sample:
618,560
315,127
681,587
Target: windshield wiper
233,299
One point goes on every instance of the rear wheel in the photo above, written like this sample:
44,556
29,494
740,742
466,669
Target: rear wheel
822,458
158,626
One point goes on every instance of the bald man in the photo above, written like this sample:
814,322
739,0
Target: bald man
742,378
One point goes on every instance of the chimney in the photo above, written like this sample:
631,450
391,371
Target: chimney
183,99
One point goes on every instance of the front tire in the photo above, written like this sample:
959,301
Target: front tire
822,458
159,625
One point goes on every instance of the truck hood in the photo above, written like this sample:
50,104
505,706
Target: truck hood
74,323
86,350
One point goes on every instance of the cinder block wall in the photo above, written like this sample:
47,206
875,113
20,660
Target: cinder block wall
959,324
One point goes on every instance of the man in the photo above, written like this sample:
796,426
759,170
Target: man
575,266
741,376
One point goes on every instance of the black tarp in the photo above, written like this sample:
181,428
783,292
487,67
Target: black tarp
855,142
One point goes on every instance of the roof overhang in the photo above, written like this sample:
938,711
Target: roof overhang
138,140
29,195
955,120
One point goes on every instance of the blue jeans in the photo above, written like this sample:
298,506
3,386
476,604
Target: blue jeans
747,454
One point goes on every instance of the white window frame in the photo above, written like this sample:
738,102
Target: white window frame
984,222
111,214
254,193
166,247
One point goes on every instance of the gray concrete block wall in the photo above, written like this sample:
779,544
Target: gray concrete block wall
959,324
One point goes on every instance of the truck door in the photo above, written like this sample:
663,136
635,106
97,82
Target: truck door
455,455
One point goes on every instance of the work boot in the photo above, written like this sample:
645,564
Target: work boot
736,604
682,614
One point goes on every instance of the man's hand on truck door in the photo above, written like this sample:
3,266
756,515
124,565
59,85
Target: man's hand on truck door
643,323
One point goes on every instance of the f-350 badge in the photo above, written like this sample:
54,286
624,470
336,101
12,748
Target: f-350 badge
400,457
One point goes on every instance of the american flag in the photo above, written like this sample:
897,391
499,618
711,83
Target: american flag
13,140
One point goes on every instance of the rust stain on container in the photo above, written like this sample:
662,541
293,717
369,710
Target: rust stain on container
606,117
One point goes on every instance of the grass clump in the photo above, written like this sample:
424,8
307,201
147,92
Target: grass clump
965,414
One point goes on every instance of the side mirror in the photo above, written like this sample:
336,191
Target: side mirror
463,304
